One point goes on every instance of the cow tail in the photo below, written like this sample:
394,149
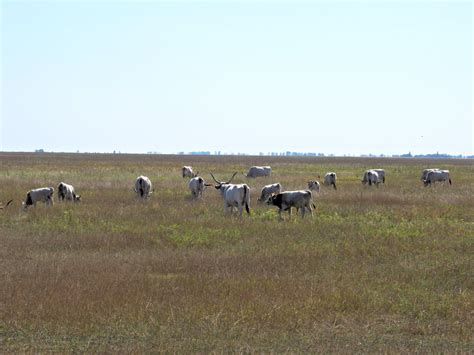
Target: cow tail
247,199
450,181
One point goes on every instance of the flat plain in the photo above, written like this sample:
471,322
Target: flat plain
388,269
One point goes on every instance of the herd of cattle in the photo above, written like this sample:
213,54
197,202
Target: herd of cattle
238,195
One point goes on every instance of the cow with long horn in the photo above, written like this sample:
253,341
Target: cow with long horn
6,205
234,195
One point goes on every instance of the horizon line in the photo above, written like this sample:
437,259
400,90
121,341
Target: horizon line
260,154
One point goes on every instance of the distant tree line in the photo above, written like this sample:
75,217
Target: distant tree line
310,154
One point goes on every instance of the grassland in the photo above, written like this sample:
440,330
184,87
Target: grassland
387,269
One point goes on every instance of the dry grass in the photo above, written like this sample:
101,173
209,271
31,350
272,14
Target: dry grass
388,269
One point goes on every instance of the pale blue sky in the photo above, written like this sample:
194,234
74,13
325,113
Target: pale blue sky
332,77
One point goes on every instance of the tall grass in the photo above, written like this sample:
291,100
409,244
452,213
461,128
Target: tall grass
387,269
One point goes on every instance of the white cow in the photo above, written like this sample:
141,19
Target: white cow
373,178
187,171
234,195
378,176
437,176
313,185
330,179
268,190
66,192
256,171
301,199
425,173
143,187
43,194
197,186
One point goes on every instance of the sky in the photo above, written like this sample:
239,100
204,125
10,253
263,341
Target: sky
354,77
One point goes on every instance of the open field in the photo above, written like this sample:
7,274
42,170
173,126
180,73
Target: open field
387,269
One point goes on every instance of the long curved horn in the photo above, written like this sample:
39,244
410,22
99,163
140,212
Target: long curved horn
228,182
215,178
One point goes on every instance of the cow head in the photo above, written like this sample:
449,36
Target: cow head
275,200
220,183
313,185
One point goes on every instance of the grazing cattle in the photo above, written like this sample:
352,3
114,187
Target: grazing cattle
313,185
234,195
301,199
187,171
143,187
437,176
330,179
377,178
66,192
373,178
197,186
43,194
256,171
269,190
425,172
